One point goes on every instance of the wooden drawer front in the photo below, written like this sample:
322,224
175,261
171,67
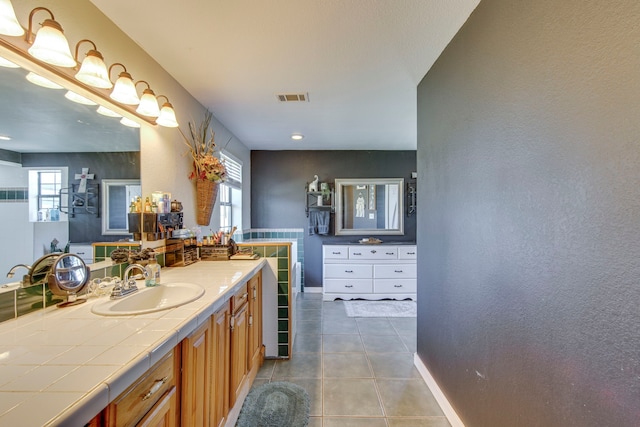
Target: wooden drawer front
407,252
394,286
335,252
347,271
373,252
354,286
239,298
138,399
397,271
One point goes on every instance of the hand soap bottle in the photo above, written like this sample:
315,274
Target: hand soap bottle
153,273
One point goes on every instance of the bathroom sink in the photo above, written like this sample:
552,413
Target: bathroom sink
149,300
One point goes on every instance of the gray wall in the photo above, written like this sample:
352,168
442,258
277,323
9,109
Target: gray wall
529,215
124,165
278,185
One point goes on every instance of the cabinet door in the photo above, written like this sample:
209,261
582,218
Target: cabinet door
239,344
163,413
221,354
255,320
196,380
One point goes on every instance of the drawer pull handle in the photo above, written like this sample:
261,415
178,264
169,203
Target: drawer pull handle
155,387
397,286
357,253
348,286
390,253
348,271
397,271
373,251
336,253
411,253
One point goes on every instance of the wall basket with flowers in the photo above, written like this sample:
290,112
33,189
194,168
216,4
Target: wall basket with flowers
208,171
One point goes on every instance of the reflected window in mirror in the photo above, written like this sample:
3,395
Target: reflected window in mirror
369,206
45,197
117,195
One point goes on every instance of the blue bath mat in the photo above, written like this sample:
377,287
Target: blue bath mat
275,404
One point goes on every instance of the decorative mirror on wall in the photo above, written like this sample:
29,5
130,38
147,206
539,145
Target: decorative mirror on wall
369,206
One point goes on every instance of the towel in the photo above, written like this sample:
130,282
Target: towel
322,220
319,222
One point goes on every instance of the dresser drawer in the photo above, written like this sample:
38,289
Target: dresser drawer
373,252
345,286
348,271
395,271
128,408
335,252
407,252
239,298
395,286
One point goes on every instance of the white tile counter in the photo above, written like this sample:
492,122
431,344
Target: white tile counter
62,366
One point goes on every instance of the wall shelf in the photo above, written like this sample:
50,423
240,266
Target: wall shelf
312,198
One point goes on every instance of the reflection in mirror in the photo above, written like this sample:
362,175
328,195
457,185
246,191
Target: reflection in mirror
116,197
40,128
369,206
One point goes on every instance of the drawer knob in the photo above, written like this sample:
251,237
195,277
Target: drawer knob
373,251
155,387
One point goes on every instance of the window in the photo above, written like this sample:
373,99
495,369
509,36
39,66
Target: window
45,200
230,194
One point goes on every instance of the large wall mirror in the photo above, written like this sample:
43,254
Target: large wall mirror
48,130
369,206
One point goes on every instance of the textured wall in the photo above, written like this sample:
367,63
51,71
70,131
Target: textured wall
529,215
279,180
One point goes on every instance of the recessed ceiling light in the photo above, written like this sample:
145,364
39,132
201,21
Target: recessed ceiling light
297,137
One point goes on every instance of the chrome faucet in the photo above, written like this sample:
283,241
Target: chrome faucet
128,285
15,267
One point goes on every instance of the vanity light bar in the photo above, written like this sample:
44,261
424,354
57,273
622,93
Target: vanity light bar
46,52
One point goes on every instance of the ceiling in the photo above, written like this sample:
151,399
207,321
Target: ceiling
359,61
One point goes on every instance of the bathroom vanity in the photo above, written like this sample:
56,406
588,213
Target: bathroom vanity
69,366
380,271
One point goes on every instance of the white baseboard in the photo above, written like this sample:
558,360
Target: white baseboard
446,407
313,289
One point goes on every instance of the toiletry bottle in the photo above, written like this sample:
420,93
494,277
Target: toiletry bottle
147,205
153,273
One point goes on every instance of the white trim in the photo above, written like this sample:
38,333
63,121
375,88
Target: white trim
313,290
446,407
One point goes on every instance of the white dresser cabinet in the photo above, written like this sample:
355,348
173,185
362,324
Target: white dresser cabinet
369,272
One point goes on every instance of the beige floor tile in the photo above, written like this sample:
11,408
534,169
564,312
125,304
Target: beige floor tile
354,422
383,344
345,365
354,397
302,365
418,422
315,422
375,326
307,343
407,398
393,365
342,343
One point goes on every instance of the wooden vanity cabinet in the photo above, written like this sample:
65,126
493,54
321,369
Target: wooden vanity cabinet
151,400
196,376
255,348
221,358
239,343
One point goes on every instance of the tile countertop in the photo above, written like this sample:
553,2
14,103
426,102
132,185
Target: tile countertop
62,366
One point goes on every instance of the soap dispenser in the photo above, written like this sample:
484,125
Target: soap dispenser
153,273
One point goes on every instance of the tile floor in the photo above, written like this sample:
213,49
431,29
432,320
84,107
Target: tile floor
359,372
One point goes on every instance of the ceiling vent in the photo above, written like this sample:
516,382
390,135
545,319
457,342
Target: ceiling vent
293,97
